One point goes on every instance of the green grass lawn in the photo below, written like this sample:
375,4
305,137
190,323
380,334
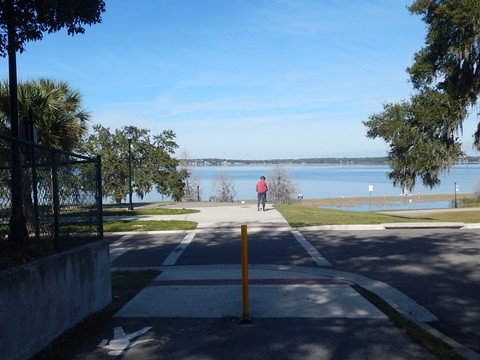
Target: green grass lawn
298,216
123,279
147,225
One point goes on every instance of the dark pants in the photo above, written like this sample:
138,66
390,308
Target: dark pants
261,198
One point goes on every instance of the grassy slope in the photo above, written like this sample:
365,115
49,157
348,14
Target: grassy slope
298,216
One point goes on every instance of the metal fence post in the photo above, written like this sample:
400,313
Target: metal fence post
63,192
56,202
100,196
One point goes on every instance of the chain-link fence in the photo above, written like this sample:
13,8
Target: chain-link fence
61,196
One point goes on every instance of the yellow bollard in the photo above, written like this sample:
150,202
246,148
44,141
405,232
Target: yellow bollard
245,315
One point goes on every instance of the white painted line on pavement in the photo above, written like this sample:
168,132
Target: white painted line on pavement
121,341
319,259
121,240
116,250
178,251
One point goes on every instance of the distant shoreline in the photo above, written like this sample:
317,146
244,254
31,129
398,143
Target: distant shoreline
368,160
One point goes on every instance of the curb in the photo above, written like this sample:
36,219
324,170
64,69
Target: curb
393,226
420,225
458,348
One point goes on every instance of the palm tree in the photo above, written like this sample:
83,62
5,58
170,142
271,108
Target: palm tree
60,123
56,111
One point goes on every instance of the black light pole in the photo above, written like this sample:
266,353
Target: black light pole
18,229
129,138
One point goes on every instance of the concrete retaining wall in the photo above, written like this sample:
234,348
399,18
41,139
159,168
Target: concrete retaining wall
43,299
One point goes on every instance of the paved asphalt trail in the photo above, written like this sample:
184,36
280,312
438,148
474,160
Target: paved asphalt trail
438,268
317,316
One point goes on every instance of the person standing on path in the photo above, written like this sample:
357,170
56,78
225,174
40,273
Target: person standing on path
261,193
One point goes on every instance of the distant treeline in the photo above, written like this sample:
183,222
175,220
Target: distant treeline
344,160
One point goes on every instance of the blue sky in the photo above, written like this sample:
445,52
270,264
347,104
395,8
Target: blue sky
241,79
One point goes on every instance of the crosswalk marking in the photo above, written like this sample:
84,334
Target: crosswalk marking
178,251
319,259
116,248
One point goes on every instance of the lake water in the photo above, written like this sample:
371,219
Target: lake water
331,181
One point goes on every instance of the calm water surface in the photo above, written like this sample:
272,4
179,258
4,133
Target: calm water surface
331,181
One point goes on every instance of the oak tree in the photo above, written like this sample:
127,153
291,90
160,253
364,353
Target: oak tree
423,133
151,159
423,137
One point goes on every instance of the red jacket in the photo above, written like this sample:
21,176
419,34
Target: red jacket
262,186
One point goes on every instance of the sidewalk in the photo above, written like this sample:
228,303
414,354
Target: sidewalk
230,215
314,311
